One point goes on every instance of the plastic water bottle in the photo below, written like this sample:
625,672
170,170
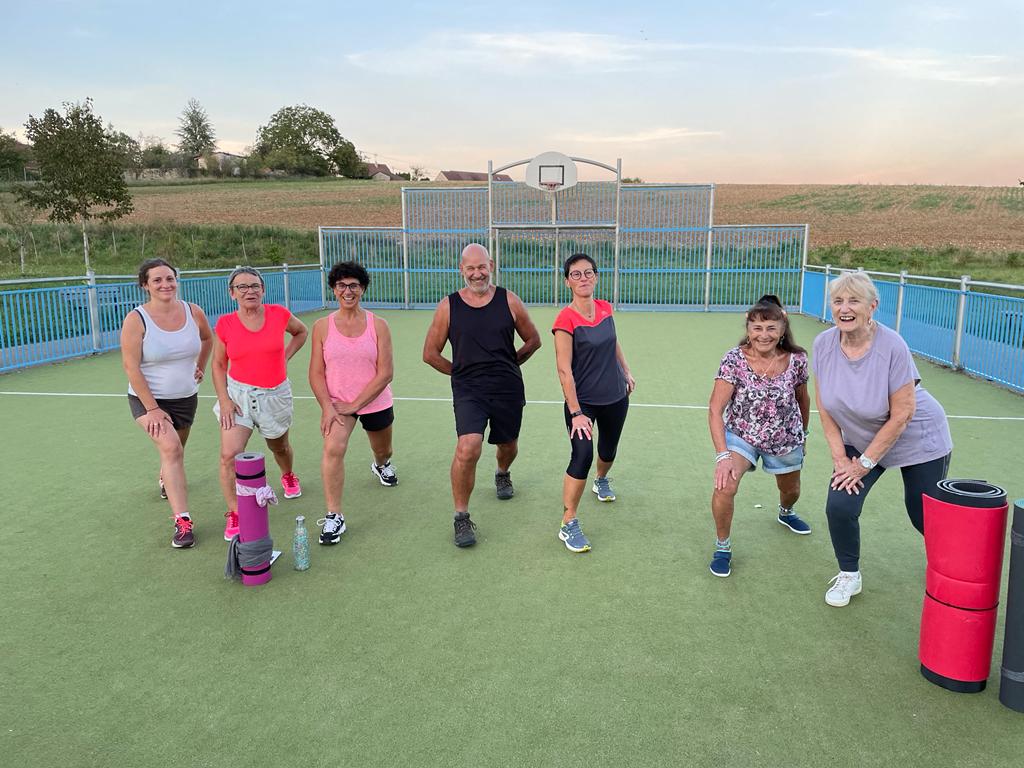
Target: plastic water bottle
300,544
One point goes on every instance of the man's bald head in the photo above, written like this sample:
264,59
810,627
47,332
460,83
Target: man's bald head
474,251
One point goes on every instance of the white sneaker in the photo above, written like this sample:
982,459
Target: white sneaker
333,527
386,473
844,586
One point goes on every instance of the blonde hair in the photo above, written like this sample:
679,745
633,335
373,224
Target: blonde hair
854,284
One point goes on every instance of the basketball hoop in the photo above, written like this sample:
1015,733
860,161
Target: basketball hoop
550,186
551,172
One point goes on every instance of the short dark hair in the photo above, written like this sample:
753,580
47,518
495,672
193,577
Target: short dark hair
345,269
244,271
149,264
578,257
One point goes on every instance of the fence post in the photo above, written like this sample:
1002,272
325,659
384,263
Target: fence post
708,250
899,299
287,289
406,296
94,308
958,339
824,298
803,268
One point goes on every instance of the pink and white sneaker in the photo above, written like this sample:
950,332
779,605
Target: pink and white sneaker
230,525
290,484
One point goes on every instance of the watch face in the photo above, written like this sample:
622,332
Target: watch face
866,462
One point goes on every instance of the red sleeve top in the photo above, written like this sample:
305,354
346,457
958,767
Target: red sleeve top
256,358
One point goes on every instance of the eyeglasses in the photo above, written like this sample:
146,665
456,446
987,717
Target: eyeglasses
247,287
348,287
577,275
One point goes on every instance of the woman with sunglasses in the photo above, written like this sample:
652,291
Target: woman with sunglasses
350,371
165,344
250,374
596,383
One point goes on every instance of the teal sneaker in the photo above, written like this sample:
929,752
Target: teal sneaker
603,489
573,537
721,563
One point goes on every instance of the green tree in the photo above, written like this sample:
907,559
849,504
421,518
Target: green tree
126,148
18,218
302,139
195,130
80,168
12,156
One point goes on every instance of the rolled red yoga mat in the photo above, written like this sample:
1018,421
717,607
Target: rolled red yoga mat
964,537
253,522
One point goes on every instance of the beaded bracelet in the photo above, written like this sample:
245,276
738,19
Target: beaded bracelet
722,456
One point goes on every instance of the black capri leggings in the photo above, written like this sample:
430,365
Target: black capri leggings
843,509
609,420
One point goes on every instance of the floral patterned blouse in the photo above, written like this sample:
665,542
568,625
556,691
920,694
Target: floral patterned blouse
764,411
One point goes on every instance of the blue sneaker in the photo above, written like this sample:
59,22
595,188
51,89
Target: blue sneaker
603,489
720,563
573,537
791,520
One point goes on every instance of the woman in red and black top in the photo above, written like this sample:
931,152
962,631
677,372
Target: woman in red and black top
596,383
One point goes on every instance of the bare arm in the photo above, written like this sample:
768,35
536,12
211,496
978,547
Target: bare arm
437,337
219,369
318,377
630,381
525,328
205,340
581,425
803,401
298,331
846,473
721,395
155,420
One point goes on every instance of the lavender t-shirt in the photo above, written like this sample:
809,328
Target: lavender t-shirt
856,395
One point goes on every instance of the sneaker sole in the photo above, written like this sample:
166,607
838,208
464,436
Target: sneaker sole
330,541
293,495
176,545
229,538
720,575
790,527
569,546
465,544
603,498
842,604
379,476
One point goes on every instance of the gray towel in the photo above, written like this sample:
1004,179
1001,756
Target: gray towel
249,554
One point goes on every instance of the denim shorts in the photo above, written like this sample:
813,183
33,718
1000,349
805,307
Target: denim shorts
773,465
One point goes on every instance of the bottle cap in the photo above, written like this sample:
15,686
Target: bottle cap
300,519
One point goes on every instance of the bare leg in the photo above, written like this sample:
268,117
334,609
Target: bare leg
603,467
283,454
232,442
467,454
172,468
723,501
380,444
572,492
506,454
332,464
789,488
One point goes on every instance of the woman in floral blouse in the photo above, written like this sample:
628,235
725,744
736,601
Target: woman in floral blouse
759,410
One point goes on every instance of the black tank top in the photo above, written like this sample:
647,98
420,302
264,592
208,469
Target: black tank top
483,348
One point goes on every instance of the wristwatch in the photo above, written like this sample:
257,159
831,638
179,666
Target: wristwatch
867,463
574,414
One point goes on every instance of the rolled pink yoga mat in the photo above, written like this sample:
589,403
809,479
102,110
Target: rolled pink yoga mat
253,522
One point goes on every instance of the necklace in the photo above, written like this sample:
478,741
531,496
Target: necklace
768,369
588,315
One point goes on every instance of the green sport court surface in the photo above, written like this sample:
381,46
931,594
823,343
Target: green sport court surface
396,648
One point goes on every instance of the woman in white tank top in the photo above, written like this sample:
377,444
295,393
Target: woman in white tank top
165,344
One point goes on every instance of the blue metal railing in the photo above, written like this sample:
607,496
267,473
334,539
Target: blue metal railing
942,319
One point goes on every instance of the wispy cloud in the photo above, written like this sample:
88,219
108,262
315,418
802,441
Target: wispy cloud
583,51
640,137
938,13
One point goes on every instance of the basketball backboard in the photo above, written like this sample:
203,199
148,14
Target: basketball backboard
551,172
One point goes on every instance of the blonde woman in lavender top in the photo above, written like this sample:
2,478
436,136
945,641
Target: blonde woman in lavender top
758,412
875,415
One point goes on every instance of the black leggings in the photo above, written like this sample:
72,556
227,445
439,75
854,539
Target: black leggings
609,419
843,509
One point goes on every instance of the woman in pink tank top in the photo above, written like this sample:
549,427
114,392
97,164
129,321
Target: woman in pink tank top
350,372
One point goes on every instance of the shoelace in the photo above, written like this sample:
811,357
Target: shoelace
840,581
463,524
329,524
503,480
184,524
232,519
387,470
604,484
289,481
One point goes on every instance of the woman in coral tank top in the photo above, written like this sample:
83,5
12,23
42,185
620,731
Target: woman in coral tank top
350,371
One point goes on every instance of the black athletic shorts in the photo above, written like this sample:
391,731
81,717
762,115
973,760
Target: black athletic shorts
181,410
505,416
378,420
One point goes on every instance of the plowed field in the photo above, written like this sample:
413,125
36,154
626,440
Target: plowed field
987,219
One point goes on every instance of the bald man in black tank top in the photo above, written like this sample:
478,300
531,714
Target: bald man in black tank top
480,321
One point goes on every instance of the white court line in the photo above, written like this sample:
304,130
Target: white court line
671,406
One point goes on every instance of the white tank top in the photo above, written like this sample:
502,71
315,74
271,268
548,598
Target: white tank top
169,357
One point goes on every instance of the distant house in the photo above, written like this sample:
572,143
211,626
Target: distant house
469,176
222,160
380,172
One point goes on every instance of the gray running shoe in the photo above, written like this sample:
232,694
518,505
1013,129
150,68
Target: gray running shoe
573,537
464,530
603,489
503,485
183,536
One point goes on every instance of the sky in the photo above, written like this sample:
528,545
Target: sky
727,92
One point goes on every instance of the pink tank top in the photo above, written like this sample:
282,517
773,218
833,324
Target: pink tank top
351,364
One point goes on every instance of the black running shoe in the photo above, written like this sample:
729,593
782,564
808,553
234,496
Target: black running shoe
503,485
183,536
332,527
464,530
